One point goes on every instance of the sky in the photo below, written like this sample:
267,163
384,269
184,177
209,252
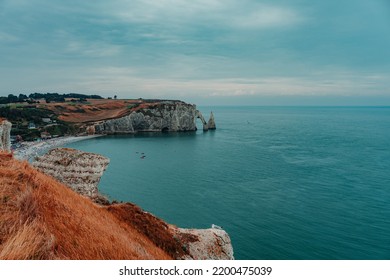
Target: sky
209,52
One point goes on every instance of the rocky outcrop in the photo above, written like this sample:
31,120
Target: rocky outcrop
79,170
211,122
5,135
163,116
207,244
188,244
200,116
90,130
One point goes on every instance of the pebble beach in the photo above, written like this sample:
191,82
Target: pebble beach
29,150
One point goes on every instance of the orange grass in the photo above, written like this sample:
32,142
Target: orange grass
154,228
43,219
95,110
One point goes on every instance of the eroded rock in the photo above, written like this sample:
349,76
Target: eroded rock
79,170
207,244
211,122
165,116
5,135
188,244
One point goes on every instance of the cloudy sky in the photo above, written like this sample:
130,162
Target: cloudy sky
271,52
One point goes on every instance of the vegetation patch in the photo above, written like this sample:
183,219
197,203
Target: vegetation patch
155,229
41,218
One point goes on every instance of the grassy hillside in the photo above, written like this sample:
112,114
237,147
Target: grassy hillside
43,219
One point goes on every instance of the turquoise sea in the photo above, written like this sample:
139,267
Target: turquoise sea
284,182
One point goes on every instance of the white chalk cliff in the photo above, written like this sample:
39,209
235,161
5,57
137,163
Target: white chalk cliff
163,116
5,135
79,170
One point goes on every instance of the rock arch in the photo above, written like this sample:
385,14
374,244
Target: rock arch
200,116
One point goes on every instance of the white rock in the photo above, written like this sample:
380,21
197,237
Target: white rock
80,170
212,244
5,135
168,116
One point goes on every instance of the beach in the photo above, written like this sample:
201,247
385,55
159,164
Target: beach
29,150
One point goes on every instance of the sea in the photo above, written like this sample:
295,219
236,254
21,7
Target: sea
286,183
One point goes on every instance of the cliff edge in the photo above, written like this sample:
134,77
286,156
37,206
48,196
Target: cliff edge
156,117
41,218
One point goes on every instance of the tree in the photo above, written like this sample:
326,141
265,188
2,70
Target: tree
22,97
12,98
115,96
3,100
37,95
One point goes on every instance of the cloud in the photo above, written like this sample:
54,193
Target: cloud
8,38
207,48
213,13
128,83
268,17
93,49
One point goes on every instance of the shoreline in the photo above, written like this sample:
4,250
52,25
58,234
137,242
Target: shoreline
29,150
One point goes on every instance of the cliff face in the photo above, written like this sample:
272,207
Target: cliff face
79,170
164,116
5,135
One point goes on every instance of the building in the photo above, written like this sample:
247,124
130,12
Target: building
45,135
31,125
47,120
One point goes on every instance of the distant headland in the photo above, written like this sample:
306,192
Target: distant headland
43,116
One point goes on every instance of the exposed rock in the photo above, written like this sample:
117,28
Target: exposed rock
198,244
211,123
79,170
207,244
90,130
200,116
164,116
5,135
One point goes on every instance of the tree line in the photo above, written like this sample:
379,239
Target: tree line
48,97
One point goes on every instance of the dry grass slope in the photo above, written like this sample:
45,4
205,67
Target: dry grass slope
154,228
43,219
95,110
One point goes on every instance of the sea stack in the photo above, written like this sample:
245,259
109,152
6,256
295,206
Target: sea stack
211,123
